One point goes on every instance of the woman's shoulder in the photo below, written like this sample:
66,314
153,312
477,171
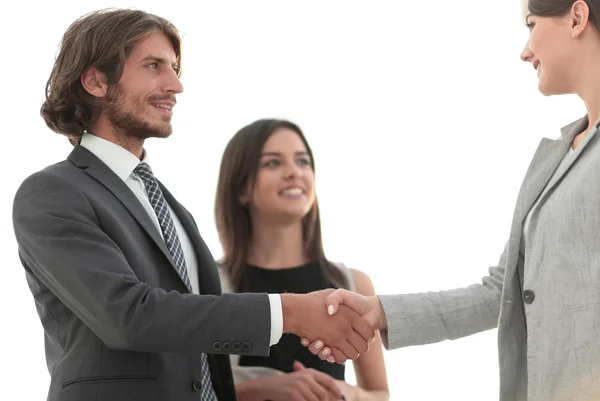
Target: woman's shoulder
362,282
347,273
358,280
226,285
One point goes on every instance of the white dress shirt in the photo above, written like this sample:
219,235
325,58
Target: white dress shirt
122,163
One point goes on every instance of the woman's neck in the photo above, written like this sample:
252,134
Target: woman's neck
277,246
588,87
592,103
591,97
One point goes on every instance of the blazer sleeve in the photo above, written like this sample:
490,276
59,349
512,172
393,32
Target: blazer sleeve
242,373
425,318
61,241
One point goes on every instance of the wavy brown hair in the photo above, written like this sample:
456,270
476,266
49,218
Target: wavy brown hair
239,167
102,39
558,8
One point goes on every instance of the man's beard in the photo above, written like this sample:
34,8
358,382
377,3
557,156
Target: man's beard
126,115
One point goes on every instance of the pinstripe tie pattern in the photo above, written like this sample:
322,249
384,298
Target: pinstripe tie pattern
167,226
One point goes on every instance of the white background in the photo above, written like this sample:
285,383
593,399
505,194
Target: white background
421,116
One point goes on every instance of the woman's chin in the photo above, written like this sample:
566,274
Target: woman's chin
293,213
544,89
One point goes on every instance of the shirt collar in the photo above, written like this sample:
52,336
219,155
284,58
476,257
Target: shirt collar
121,161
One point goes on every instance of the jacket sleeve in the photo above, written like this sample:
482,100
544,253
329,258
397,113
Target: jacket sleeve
416,319
242,373
62,242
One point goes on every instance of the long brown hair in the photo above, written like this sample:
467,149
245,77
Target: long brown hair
102,39
557,8
239,167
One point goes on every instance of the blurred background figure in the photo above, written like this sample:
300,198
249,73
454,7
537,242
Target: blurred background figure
268,222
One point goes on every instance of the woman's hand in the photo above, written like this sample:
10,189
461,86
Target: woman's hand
301,385
350,392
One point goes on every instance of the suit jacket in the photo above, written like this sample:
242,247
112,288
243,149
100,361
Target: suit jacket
545,300
118,320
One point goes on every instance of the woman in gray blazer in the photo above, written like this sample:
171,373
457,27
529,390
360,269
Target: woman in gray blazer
544,294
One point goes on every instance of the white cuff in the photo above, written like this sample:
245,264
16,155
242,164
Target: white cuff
276,318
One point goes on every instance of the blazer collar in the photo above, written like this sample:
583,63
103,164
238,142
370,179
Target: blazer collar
94,167
121,161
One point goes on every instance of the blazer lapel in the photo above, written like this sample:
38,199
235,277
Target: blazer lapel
94,167
543,171
207,275
543,165
545,161
571,159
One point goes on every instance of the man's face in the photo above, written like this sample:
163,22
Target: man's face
140,104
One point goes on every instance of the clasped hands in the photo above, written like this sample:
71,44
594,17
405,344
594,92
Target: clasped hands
335,325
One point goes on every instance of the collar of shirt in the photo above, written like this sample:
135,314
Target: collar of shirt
121,161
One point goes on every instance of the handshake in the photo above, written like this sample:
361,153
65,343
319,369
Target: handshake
336,325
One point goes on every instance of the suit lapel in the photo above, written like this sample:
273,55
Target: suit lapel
207,275
543,171
543,165
546,160
564,168
547,157
94,167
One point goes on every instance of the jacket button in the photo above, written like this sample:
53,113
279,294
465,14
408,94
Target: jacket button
217,346
528,296
197,385
226,347
246,347
236,346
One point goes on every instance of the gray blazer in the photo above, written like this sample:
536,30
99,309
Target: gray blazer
545,300
118,320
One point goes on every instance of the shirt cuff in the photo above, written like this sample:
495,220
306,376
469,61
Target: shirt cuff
276,318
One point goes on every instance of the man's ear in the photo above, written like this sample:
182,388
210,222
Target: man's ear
94,82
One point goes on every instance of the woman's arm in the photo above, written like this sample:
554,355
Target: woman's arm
370,367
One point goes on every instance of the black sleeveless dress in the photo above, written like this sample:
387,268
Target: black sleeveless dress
299,280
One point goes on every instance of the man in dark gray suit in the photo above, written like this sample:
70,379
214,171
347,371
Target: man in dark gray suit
127,291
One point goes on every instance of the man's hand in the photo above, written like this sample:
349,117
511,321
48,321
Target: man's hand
369,308
345,333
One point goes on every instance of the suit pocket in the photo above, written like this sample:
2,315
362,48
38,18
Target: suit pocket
111,388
